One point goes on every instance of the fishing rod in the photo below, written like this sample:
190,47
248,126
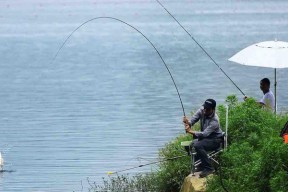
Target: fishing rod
143,165
112,18
200,47
221,179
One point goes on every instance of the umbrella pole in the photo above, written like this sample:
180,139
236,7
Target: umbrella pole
275,85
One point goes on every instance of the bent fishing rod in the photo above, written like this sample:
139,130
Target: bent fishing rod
200,47
115,19
143,165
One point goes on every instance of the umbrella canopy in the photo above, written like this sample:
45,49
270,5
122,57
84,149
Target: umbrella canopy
273,54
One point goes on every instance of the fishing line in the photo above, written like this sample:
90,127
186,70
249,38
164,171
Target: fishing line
143,165
138,158
138,32
150,162
144,159
200,46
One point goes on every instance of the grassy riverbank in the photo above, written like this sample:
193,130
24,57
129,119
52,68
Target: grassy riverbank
256,158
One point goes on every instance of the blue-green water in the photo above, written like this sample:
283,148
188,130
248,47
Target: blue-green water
107,102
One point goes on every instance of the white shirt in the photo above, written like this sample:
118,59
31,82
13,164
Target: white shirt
268,100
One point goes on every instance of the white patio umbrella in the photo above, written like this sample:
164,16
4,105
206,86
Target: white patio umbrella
272,54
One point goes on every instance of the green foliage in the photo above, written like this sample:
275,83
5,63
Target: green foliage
256,158
172,173
125,183
231,100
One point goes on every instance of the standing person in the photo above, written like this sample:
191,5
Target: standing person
268,100
210,136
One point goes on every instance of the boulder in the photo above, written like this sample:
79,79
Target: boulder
194,183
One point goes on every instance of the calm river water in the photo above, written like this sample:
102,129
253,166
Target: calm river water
107,102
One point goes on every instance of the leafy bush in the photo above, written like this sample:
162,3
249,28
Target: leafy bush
256,157
171,174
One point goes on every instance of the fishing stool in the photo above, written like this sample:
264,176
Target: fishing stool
211,154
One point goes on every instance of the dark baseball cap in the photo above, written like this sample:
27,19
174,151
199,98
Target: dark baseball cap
209,104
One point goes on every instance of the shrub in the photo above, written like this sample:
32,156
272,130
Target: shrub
256,157
172,173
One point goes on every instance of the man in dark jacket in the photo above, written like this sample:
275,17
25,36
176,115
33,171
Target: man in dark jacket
209,138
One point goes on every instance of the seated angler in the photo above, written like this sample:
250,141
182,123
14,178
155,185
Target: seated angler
210,136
